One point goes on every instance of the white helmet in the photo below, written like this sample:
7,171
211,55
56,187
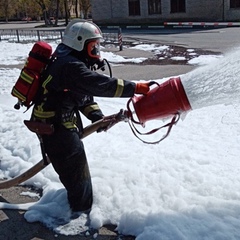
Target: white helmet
78,32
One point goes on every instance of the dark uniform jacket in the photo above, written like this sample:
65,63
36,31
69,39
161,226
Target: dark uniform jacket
69,86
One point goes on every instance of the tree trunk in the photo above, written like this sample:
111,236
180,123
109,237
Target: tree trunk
44,11
66,11
6,6
57,13
76,8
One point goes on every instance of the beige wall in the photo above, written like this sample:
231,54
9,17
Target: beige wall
116,12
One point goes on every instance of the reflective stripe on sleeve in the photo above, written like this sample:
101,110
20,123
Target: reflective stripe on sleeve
90,108
119,90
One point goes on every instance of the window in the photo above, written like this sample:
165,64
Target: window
177,6
134,7
154,7
234,3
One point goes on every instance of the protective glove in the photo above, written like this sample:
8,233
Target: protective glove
101,129
142,88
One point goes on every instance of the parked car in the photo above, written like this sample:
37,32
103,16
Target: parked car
26,19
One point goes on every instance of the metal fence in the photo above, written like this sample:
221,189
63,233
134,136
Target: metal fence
22,35
18,35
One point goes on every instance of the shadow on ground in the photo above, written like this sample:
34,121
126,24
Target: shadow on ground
13,225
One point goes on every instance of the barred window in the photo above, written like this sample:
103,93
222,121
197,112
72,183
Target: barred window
154,7
234,3
178,6
134,7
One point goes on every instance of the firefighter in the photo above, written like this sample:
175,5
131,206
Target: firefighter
69,87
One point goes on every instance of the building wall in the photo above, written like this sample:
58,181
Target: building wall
231,14
117,12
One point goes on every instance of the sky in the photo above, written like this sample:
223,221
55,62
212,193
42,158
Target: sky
185,187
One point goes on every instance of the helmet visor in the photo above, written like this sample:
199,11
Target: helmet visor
93,49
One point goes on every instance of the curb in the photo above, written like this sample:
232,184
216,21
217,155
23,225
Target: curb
176,25
210,24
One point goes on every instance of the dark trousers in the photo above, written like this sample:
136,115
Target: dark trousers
66,152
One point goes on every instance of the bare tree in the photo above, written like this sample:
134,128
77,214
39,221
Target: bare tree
44,4
57,12
66,11
35,8
6,9
85,6
27,8
76,8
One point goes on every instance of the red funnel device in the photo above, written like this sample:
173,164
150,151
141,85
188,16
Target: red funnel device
168,99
